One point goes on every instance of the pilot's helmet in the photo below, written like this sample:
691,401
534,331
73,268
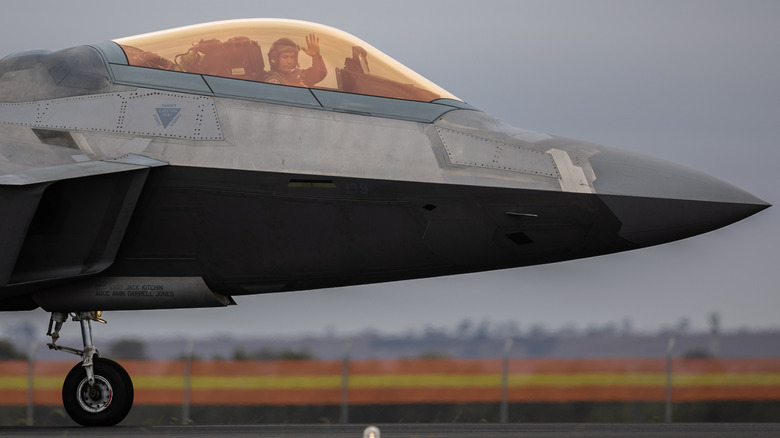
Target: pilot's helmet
278,47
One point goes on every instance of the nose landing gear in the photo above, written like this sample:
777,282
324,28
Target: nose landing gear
105,402
97,391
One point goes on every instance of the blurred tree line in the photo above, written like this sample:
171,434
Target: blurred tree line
271,354
134,349
9,352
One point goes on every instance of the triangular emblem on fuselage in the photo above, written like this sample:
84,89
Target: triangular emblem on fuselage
167,115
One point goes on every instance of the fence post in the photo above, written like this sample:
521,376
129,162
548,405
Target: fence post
505,381
185,406
31,382
669,347
344,417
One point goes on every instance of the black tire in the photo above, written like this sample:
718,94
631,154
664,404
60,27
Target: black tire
110,400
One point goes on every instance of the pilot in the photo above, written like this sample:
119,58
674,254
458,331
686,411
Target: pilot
283,59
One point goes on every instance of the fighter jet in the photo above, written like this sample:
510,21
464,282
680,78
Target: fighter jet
181,168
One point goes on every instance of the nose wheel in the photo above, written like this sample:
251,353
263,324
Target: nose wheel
106,401
97,391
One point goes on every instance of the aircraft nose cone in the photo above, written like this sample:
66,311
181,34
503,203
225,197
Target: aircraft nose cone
658,201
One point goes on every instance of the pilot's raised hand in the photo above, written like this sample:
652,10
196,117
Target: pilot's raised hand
313,45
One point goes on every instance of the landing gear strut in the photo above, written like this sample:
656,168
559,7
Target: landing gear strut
97,391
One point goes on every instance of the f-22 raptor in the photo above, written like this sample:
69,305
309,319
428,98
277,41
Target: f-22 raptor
181,168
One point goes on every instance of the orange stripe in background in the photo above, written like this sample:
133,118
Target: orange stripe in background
417,381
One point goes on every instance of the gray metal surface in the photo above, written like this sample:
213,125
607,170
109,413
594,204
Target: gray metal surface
470,150
623,172
74,71
261,92
141,112
111,52
381,106
159,79
66,171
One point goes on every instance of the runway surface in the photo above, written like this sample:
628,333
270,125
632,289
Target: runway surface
644,430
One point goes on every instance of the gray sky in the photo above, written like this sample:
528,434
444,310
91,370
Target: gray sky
695,82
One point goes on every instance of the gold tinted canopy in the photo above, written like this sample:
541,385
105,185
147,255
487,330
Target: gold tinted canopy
286,52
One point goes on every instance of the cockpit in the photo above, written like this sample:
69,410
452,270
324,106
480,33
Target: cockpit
284,52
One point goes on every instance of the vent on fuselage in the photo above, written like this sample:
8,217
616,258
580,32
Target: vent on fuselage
55,138
519,238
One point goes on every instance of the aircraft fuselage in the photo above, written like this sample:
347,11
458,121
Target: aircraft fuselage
235,196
